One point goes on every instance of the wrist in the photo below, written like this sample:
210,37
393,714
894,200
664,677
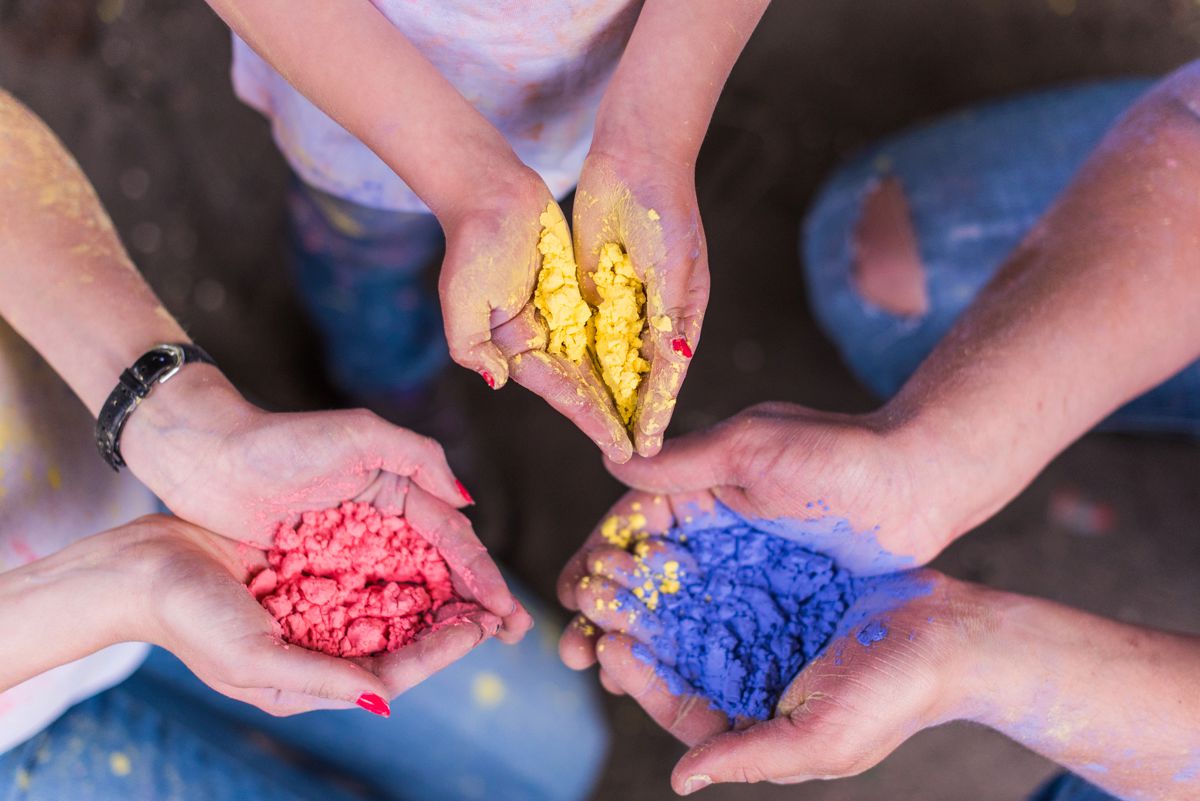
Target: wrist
627,130
178,424
487,181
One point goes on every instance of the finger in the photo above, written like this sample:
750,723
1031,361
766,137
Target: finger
515,626
775,750
573,390
635,514
684,714
577,645
613,608
697,461
467,319
267,663
417,457
609,683
656,568
450,532
406,668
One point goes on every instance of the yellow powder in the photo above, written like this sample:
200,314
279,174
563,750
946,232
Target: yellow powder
557,296
613,333
618,327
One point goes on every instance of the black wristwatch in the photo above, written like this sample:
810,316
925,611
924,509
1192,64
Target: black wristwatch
155,366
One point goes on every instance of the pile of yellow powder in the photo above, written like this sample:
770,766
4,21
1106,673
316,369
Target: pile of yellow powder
614,333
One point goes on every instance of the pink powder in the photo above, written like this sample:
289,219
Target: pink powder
351,581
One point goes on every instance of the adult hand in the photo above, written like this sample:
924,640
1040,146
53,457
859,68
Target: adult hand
646,203
194,603
229,467
487,286
895,667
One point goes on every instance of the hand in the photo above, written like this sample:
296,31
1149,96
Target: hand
846,485
487,286
647,204
846,710
223,464
195,604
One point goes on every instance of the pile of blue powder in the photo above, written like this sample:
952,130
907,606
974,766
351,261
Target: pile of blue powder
743,624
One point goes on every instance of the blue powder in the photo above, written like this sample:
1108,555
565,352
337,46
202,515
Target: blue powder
873,632
756,609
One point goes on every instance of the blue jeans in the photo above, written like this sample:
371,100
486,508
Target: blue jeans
366,277
504,722
976,182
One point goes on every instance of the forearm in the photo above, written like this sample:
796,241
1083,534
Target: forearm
66,283
1115,703
1099,304
62,608
667,83
352,63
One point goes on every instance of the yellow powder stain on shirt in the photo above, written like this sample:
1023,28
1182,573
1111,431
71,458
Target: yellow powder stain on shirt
488,690
618,327
119,764
54,477
23,779
613,331
557,296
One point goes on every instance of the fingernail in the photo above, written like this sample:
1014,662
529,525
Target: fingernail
694,783
463,492
374,704
491,382
681,346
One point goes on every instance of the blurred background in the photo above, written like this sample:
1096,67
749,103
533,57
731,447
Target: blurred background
140,93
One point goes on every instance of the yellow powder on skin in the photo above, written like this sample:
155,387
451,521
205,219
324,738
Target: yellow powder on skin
613,333
557,296
618,327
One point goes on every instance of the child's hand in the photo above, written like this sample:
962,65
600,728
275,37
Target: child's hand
487,287
196,605
225,465
648,206
845,711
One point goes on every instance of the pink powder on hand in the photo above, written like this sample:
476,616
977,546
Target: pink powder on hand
351,581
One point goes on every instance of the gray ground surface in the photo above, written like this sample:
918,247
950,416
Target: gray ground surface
195,187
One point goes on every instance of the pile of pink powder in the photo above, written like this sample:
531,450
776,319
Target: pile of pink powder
351,581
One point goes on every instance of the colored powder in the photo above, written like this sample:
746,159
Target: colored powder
745,619
617,327
351,581
613,333
557,296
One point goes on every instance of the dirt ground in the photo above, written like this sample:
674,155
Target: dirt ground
140,93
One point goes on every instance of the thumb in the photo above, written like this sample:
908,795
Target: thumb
293,670
771,751
693,462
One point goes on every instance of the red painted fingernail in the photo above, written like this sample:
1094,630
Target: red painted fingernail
463,492
491,382
374,704
681,346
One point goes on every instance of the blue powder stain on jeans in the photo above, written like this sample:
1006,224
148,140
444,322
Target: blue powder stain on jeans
755,611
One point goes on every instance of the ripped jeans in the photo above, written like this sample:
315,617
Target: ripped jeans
976,181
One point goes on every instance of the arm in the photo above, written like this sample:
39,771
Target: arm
638,186
1100,303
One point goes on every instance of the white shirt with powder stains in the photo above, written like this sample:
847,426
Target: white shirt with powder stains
535,70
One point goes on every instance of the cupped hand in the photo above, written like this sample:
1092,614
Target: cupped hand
487,286
647,204
241,472
849,486
894,667
196,605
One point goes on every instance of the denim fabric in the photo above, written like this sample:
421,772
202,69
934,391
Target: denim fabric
504,722
366,277
976,182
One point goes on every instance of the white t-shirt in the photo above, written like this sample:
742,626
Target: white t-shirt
54,489
535,70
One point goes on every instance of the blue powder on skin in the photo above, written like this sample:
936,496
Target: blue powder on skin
746,620
873,632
